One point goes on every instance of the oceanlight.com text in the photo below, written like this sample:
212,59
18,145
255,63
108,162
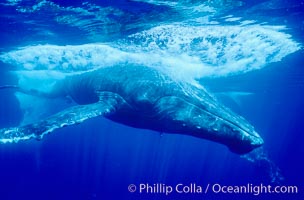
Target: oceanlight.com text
215,188
254,189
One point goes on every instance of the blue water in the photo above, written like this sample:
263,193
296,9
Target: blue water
246,53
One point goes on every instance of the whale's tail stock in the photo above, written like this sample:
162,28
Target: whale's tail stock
3,87
32,92
35,100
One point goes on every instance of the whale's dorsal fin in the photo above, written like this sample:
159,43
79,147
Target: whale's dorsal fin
108,104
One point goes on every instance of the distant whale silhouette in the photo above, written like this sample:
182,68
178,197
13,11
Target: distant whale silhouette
140,97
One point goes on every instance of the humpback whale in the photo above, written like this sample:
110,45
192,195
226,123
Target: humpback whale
140,97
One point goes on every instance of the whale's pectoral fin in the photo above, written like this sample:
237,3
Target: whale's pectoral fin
108,104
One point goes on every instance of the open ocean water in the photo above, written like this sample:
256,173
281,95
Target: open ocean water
248,54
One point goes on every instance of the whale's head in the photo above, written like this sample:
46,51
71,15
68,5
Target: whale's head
220,124
208,119
240,137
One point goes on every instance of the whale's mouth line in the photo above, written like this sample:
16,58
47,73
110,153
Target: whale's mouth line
231,123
